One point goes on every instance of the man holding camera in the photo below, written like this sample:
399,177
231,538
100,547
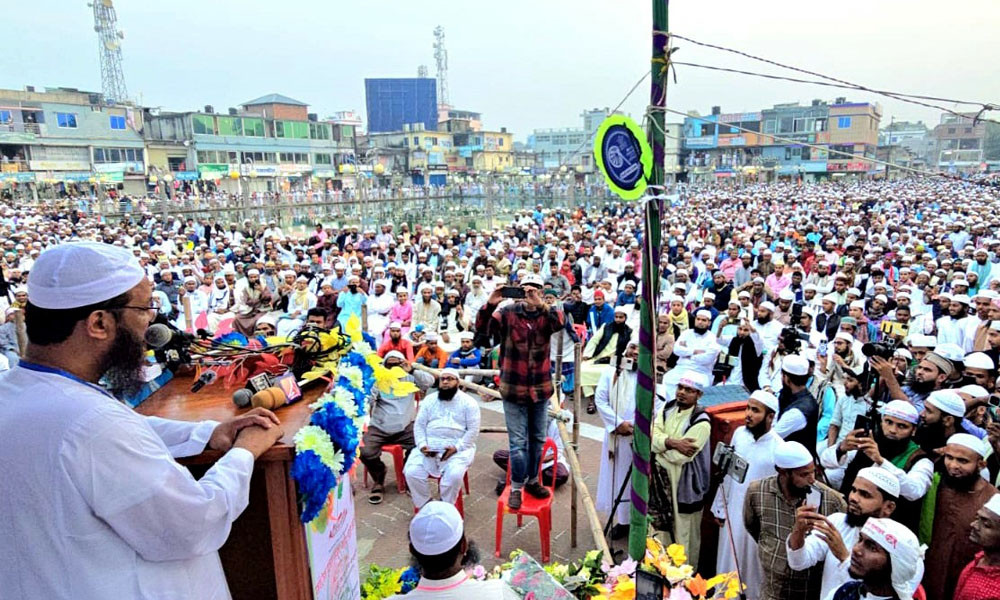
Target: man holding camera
523,329
252,302
754,443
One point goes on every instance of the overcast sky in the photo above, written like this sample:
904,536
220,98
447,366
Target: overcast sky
524,64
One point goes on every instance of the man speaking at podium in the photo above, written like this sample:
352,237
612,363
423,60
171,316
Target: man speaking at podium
94,505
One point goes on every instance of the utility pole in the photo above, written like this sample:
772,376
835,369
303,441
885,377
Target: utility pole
646,387
888,140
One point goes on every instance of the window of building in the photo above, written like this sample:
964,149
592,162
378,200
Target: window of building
346,132
968,144
66,120
322,159
230,126
819,124
114,155
319,131
769,125
500,142
292,129
416,141
968,130
806,154
117,122
253,127
203,124
843,122
302,158
785,124
233,157
5,117
98,155
951,130
788,153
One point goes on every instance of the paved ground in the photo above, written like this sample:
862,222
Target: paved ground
382,529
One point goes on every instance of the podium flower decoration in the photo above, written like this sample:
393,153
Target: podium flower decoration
326,449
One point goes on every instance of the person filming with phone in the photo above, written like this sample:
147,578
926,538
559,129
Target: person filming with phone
523,328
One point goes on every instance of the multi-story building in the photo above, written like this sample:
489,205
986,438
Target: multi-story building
428,153
271,144
393,102
467,120
788,140
959,143
64,140
909,140
570,146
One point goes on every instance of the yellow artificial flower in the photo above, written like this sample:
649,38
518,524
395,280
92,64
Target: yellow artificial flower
624,589
675,574
653,546
602,592
676,554
353,328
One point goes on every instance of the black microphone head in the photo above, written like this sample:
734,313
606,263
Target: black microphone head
241,397
209,377
158,335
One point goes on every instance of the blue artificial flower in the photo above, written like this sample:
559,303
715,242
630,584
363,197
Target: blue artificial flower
409,580
233,338
314,481
341,429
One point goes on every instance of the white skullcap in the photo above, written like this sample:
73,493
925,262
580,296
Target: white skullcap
190,278
766,398
882,298
302,278
854,291
791,455
858,304
831,298
969,441
923,341
952,352
703,313
431,336
786,294
884,480
767,305
621,309
903,352
436,529
843,335
395,325
947,402
393,354
694,380
466,335
993,504
905,553
268,320
795,364
744,294
960,298
253,272
979,360
450,372
902,410
974,391
81,274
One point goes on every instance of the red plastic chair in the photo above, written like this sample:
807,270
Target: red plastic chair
531,506
919,593
398,460
458,501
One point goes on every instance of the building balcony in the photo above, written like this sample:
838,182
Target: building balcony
13,166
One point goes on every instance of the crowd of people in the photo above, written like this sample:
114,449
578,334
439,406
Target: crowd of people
862,319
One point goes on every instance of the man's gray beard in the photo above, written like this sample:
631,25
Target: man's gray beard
123,363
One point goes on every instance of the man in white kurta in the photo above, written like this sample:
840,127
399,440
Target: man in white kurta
754,442
697,349
615,401
102,508
445,433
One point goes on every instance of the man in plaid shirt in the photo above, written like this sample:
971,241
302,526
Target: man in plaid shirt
769,515
523,329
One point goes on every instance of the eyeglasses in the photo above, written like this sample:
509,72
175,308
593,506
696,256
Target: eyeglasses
153,308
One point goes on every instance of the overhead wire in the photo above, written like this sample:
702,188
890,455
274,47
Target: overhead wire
614,110
900,96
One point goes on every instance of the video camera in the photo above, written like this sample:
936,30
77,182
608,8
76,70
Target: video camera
729,463
884,349
790,340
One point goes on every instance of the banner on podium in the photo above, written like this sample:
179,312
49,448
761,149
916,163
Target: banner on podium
332,542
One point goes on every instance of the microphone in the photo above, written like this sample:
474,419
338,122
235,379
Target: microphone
159,335
207,378
269,398
242,397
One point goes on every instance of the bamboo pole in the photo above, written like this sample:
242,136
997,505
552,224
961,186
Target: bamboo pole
475,387
20,332
188,317
577,393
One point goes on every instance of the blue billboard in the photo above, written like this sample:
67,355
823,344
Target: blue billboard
391,103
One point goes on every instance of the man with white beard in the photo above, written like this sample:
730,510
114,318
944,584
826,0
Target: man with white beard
753,442
615,400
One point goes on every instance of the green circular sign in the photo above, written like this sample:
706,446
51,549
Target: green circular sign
624,156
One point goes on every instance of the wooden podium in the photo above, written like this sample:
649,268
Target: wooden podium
265,556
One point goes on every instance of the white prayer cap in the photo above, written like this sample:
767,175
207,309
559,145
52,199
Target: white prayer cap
766,398
621,309
993,504
952,352
395,325
431,336
791,455
744,294
393,354
854,291
979,360
969,441
81,274
948,402
735,302
810,286
830,298
973,391
795,364
960,298
267,320
253,272
302,278
694,380
995,325
219,276
858,304
905,553
466,335
884,480
786,294
767,305
903,352
843,335
902,410
436,529
703,313
882,297
922,341
706,295
449,372
190,278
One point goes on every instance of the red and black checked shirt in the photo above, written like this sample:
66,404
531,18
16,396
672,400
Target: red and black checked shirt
525,369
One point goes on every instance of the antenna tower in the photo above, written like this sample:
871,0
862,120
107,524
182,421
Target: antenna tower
109,39
441,56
